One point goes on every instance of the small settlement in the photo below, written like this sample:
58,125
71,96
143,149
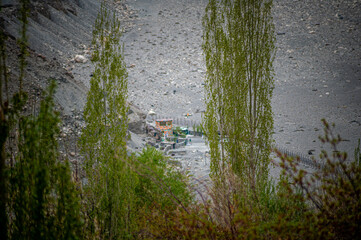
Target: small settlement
165,126
165,136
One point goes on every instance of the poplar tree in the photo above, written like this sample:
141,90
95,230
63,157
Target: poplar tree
238,44
4,133
38,198
103,141
43,199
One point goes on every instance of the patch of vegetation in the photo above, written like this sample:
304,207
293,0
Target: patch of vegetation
239,48
127,196
332,192
179,132
323,204
38,198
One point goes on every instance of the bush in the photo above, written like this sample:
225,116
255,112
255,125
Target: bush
331,192
159,182
324,204
42,201
178,132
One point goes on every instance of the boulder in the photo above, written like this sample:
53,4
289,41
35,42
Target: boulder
80,59
137,121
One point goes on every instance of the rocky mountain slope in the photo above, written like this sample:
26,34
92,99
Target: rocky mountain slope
59,38
317,66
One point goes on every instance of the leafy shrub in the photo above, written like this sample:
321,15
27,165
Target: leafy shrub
178,132
331,192
159,182
323,204
42,201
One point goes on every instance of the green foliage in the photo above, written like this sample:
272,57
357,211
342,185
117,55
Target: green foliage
158,182
160,189
239,50
128,196
42,200
68,218
38,198
322,204
4,133
238,44
10,109
332,192
119,187
109,202
178,132
23,40
229,214
199,129
357,154
34,170
106,110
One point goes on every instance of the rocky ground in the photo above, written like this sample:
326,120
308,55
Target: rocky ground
317,69
59,37
317,66
317,72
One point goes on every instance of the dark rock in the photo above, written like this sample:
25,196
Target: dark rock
339,16
355,122
136,120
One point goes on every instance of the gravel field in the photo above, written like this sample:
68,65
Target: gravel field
317,65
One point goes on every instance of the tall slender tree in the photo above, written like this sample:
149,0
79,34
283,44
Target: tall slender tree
4,132
10,107
43,199
238,44
103,140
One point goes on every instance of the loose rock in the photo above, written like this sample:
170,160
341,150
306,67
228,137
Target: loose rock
80,59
